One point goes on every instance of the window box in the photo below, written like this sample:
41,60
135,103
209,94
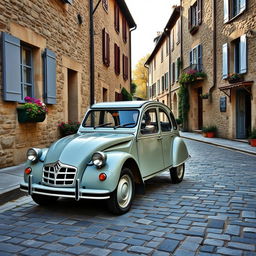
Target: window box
23,116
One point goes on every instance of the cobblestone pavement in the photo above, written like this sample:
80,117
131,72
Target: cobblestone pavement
212,212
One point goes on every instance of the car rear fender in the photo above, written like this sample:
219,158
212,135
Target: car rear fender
114,164
180,152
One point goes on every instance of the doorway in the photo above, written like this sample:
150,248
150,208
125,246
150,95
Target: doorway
243,114
199,109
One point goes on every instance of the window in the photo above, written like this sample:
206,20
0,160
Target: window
68,1
173,72
166,80
125,67
172,40
195,16
117,59
26,67
124,29
178,28
237,58
116,17
158,87
154,90
105,5
165,123
155,63
149,123
177,69
232,8
17,70
195,58
105,48
167,46
163,84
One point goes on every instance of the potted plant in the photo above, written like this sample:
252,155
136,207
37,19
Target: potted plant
34,110
252,138
235,78
68,128
209,131
191,75
204,96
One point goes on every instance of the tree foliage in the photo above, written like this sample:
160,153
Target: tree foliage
140,78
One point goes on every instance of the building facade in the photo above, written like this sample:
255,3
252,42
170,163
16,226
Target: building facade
45,54
218,39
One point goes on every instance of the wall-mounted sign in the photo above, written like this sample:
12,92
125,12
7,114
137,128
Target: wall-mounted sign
223,104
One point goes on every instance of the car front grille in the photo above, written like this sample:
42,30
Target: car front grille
58,174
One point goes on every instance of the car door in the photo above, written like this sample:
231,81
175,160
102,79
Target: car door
166,128
149,144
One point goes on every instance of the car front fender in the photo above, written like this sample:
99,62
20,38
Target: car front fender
180,152
114,164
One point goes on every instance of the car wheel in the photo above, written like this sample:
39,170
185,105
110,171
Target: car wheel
177,173
121,199
44,200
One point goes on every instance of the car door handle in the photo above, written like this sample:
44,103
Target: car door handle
159,138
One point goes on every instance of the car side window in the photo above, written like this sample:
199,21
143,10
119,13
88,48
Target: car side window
174,123
149,124
165,123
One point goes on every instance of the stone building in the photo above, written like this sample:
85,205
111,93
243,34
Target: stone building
163,63
218,39
45,53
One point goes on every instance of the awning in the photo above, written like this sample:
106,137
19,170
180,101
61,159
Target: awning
245,85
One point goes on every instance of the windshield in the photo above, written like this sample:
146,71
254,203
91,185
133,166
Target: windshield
111,118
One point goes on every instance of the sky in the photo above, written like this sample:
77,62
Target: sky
150,16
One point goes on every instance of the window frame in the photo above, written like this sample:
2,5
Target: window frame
31,67
105,48
117,59
169,120
116,18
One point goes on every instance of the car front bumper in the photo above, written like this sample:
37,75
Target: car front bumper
76,193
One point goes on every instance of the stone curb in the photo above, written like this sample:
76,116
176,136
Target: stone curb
221,145
10,195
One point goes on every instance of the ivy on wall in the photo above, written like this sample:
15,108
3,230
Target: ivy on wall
183,104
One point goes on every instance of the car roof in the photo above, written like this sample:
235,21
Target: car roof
120,104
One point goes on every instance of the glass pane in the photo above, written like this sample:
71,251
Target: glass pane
26,57
164,121
27,75
149,122
27,91
111,118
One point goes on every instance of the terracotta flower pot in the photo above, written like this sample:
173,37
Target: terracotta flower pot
253,142
210,134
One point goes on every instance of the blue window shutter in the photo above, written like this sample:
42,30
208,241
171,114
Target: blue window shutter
224,61
226,10
199,57
11,68
49,76
243,54
242,5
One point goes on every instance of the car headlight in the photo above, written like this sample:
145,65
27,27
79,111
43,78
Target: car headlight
33,154
99,159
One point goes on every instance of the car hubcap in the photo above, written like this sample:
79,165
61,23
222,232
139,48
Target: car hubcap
180,170
124,191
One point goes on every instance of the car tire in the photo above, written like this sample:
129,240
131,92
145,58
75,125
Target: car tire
177,173
121,199
44,200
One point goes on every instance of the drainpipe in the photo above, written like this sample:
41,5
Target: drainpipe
130,52
214,50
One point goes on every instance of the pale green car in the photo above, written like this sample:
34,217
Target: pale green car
118,146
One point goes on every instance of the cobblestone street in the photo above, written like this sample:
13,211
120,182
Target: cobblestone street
212,212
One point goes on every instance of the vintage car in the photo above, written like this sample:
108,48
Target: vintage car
118,146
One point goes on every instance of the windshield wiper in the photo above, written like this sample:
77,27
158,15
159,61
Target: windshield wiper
101,125
123,125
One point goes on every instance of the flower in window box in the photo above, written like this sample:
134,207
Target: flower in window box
235,78
34,110
68,128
